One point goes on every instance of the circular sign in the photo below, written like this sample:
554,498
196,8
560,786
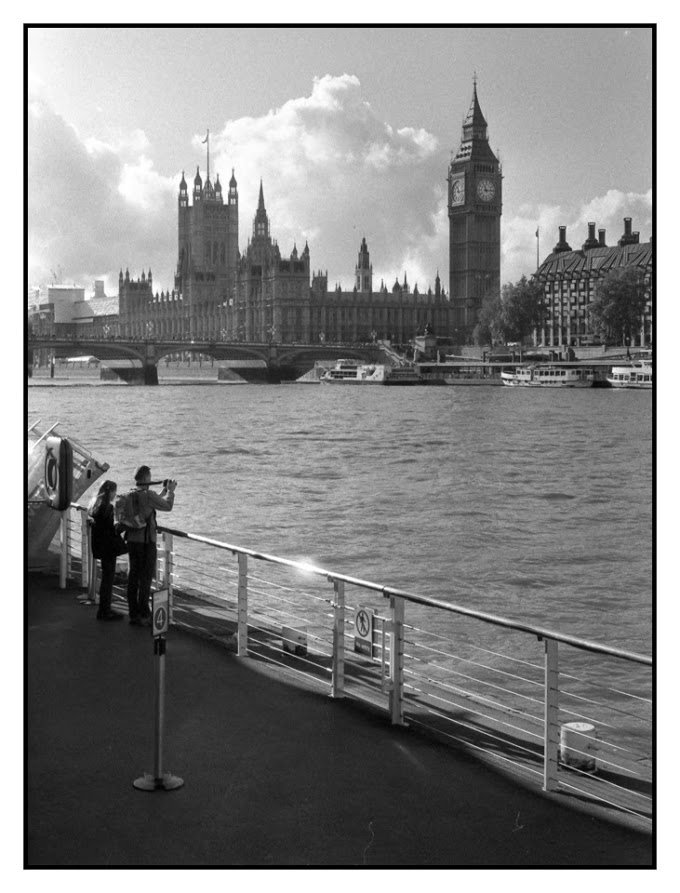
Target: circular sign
160,619
363,623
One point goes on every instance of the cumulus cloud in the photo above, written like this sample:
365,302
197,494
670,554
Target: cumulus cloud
93,207
334,172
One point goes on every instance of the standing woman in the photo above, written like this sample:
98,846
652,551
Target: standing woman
106,545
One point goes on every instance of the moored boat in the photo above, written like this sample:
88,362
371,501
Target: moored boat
353,372
539,376
639,376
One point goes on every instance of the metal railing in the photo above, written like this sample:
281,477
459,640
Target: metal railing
571,715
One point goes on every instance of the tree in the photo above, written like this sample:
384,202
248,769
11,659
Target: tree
522,308
489,328
619,304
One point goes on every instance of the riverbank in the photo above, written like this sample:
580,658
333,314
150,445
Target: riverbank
275,774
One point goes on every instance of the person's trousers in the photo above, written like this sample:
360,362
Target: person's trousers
108,566
142,558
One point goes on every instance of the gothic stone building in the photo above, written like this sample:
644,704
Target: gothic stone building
570,280
261,295
475,204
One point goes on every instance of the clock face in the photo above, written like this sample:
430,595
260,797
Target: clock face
486,190
457,192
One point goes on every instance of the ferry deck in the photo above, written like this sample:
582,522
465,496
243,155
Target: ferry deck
275,773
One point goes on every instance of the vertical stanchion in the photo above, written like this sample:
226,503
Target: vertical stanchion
84,551
338,668
167,581
159,780
397,661
63,551
551,730
242,634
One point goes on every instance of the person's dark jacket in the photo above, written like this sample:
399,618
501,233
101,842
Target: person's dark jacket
106,543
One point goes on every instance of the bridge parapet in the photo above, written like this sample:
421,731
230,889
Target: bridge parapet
138,359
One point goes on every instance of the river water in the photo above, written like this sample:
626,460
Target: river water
530,504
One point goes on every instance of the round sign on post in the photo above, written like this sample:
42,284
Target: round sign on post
161,612
158,780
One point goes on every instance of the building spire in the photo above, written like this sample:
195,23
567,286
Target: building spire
207,140
260,203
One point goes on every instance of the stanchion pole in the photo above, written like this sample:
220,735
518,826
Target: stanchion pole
159,780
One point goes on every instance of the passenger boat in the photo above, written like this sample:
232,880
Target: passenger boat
547,377
45,484
639,376
353,372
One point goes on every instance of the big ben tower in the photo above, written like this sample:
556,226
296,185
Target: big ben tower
475,207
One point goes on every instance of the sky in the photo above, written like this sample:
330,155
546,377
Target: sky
350,129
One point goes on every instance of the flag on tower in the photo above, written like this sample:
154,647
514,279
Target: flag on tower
537,232
206,137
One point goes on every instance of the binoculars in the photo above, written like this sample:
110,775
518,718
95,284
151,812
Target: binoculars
166,483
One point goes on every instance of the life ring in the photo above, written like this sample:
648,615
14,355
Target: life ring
59,472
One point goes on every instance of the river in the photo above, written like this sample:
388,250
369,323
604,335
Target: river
531,504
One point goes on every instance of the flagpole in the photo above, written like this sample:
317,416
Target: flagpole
538,241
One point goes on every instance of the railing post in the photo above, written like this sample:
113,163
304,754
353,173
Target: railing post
397,661
338,668
551,732
63,551
242,634
167,579
84,551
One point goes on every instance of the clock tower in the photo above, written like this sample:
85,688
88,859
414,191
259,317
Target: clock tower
475,207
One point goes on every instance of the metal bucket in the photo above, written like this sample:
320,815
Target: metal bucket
577,746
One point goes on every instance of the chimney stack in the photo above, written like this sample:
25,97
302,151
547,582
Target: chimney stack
628,238
601,233
562,244
591,241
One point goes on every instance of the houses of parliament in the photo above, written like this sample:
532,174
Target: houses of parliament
261,295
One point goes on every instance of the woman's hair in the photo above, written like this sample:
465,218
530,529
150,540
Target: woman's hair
103,497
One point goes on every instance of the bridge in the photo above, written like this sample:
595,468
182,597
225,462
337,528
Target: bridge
137,359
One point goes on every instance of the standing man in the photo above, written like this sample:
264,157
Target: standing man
142,543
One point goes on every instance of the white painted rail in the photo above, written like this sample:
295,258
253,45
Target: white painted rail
429,664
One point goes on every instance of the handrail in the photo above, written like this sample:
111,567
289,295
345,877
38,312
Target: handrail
388,591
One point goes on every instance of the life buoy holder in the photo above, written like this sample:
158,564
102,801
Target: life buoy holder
59,472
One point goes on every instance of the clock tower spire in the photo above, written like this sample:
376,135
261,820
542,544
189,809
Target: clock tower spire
475,207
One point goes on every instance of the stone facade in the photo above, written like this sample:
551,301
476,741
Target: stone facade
570,280
264,296
475,203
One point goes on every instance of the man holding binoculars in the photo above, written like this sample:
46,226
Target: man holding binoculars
141,542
